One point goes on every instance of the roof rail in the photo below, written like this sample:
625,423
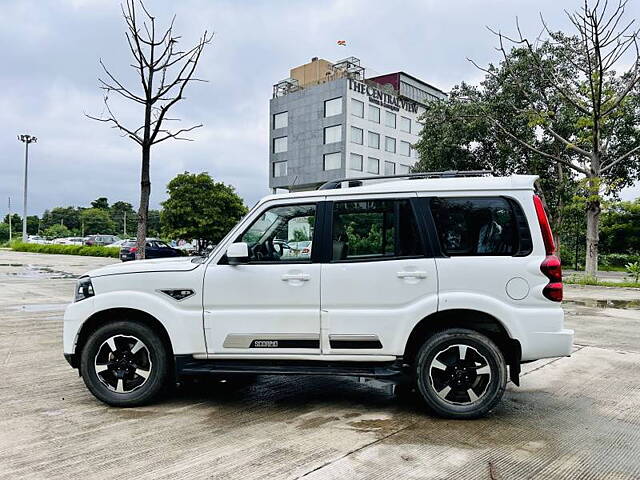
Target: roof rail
358,181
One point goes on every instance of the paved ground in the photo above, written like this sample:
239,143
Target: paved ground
576,417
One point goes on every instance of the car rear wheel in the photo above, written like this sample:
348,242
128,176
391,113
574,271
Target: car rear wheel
460,373
124,364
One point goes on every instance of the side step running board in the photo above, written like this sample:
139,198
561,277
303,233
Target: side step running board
187,365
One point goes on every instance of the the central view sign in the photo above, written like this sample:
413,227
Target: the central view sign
381,98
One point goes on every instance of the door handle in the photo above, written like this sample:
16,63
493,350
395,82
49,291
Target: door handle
416,274
303,277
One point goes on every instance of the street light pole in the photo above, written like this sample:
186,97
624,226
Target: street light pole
26,139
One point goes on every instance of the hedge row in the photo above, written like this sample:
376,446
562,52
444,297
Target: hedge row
66,249
617,259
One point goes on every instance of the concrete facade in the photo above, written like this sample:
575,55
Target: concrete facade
305,132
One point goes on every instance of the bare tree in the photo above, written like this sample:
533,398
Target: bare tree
164,70
596,95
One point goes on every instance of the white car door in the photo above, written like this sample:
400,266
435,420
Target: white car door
271,304
378,282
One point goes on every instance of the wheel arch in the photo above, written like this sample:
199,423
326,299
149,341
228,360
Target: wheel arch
476,320
103,317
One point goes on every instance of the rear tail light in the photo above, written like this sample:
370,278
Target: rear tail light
305,250
550,266
133,249
545,228
553,271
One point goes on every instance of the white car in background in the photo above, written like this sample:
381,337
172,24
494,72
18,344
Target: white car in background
69,241
446,281
118,244
37,239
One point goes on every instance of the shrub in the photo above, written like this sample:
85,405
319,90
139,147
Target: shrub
66,249
618,259
633,269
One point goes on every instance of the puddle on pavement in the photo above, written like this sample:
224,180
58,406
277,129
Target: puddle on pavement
599,303
41,307
35,271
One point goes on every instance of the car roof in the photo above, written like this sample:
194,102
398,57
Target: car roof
452,184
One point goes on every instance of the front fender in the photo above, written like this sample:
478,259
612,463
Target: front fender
182,320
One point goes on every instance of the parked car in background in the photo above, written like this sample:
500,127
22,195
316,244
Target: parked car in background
304,249
154,249
36,239
120,243
100,240
69,241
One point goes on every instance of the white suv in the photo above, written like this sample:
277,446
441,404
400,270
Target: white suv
439,280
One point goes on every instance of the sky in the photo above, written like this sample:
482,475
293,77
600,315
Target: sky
51,51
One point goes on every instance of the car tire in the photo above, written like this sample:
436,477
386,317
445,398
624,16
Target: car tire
125,364
460,373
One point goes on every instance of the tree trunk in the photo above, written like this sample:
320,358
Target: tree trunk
593,236
143,211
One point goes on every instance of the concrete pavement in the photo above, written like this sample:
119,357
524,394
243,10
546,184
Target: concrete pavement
576,417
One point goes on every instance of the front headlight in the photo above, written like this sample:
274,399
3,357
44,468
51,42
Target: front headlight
84,289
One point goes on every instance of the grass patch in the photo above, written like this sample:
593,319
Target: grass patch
575,280
66,249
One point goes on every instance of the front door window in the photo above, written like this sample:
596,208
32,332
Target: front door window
281,234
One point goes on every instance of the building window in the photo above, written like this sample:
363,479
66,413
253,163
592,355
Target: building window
405,148
280,120
405,124
332,161
333,134
402,169
389,168
357,108
390,119
333,107
374,114
279,144
417,127
374,140
355,162
280,169
373,165
390,144
356,135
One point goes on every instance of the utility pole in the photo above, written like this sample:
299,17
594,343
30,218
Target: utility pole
125,225
10,234
26,139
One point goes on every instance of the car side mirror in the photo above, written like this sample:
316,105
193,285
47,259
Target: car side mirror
238,253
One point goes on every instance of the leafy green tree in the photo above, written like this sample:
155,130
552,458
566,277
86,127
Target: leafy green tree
100,202
97,220
121,212
67,216
57,231
4,232
33,225
16,223
620,228
200,208
154,224
300,236
571,81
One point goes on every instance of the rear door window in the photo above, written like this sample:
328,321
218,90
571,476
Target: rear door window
480,226
374,229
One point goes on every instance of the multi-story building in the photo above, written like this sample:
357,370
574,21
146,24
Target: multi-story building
328,121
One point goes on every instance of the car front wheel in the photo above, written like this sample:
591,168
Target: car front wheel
124,364
460,373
